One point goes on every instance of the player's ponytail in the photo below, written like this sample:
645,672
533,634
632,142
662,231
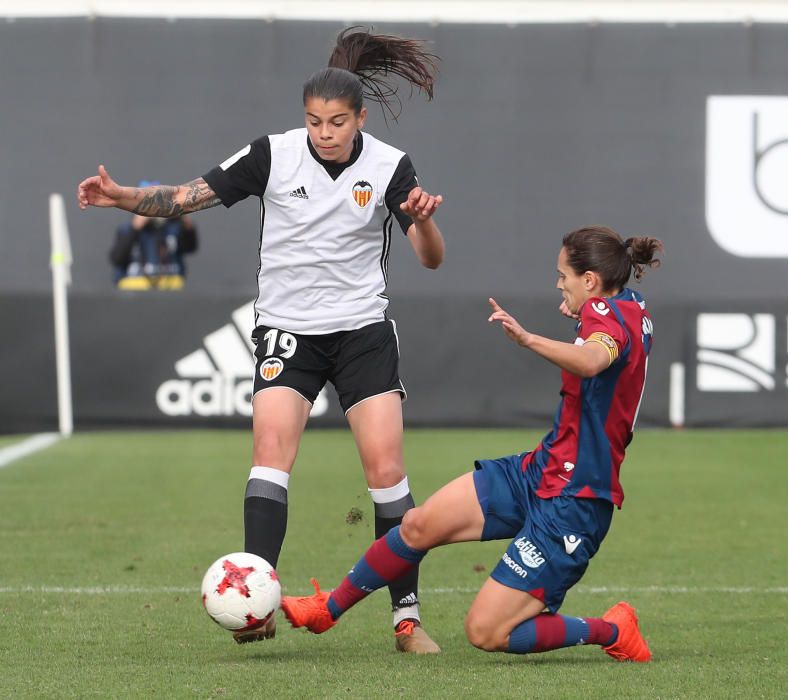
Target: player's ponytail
642,252
600,249
361,63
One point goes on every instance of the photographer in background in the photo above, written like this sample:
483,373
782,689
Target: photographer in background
148,251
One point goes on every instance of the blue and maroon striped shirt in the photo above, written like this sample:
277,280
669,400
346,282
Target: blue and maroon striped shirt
582,454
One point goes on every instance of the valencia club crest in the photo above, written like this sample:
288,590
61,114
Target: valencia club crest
362,193
271,368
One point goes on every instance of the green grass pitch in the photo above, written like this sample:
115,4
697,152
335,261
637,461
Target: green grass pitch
104,539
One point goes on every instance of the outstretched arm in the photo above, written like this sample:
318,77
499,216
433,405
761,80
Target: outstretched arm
159,200
424,234
585,360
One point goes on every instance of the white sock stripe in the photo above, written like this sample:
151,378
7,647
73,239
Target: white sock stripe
392,493
409,613
275,476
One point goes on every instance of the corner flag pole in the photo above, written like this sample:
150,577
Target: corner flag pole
60,262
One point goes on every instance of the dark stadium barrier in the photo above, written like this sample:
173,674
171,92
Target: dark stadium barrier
172,360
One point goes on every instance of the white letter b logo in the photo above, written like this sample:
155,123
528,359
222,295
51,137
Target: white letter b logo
747,174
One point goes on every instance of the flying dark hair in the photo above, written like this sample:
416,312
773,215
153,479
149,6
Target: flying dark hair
600,249
359,67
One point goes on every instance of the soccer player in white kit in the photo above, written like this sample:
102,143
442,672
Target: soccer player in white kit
329,195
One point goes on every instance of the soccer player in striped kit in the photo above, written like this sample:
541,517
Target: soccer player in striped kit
555,502
329,196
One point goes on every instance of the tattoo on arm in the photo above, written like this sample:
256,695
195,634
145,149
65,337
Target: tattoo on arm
199,195
168,201
159,201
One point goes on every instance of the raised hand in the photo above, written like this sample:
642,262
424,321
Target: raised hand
99,191
420,204
509,324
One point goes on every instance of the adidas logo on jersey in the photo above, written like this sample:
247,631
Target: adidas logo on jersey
300,192
217,379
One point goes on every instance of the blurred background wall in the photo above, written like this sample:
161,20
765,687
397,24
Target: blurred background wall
677,130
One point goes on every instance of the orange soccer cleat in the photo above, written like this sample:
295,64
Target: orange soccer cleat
309,611
630,645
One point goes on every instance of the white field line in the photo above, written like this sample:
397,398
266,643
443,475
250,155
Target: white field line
193,590
27,447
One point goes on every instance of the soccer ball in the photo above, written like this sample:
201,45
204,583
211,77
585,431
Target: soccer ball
241,591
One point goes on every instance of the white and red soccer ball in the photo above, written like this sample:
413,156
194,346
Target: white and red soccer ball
241,591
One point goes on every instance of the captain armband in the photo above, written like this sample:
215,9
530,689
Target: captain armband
606,342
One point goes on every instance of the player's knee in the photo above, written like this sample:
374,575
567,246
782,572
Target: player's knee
271,449
414,529
383,473
482,634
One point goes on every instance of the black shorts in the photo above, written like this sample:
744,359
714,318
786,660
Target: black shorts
359,363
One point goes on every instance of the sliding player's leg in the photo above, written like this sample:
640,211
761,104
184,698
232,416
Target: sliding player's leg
452,514
510,620
516,610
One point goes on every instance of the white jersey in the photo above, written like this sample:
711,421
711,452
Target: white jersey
325,228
